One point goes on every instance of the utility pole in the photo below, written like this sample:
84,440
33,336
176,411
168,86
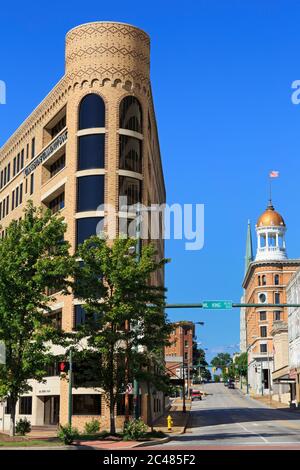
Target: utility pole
183,388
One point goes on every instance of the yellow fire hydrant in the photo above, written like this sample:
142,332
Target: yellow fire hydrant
169,422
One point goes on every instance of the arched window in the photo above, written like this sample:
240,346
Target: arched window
91,112
264,280
259,283
276,279
131,114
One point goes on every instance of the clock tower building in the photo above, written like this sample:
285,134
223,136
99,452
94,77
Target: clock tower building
265,283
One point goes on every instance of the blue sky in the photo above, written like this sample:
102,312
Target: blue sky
221,76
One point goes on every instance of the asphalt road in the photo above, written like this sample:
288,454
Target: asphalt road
227,419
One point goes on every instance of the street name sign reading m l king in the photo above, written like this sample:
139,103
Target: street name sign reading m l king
217,304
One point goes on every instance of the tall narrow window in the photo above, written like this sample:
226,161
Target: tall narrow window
22,158
86,228
17,196
7,205
276,279
277,298
8,172
90,193
91,112
33,148
277,315
21,193
262,316
130,154
13,200
1,179
18,163
31,183
91,151
263,331
131,114
263,280
15,166
131,189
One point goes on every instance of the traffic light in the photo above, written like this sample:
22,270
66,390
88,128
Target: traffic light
63,367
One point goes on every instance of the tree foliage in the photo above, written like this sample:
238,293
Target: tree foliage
33,258
128,323
241,363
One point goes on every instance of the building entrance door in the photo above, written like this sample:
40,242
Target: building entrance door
266,378
51,410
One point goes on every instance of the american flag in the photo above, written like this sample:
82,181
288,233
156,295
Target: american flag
274,174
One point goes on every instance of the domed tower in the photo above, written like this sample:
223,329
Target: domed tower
270,230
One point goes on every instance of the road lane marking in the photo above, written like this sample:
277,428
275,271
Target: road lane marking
254,433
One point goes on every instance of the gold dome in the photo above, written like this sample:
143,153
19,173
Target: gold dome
270,218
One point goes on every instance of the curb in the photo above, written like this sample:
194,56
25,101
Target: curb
154,443
168,438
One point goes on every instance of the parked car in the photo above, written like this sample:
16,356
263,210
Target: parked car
231,384
196,395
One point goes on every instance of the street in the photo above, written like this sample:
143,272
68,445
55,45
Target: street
227,419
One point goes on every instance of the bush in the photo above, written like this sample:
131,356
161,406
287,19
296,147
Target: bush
23,426
92,427
134,430
67,434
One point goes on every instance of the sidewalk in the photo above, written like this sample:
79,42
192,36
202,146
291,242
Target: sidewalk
271,403
180,421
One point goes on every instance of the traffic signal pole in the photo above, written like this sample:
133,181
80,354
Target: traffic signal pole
70,402
233,305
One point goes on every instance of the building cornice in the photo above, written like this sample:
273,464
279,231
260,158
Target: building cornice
255,264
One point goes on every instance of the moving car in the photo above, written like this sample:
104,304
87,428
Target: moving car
196,395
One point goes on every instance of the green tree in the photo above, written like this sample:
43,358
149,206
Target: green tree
128,319
33,258
221,361
241,363
200,364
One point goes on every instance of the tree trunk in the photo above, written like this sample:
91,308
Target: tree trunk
150,406
12,427
112,415
126,375
111,391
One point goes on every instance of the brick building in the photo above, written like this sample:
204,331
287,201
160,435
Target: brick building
265,283
179,354
92,140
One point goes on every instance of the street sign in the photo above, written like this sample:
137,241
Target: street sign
217,304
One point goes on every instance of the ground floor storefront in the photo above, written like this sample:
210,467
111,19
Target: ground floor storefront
48,405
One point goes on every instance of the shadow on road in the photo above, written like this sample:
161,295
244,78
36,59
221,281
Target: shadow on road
212,417
227,436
